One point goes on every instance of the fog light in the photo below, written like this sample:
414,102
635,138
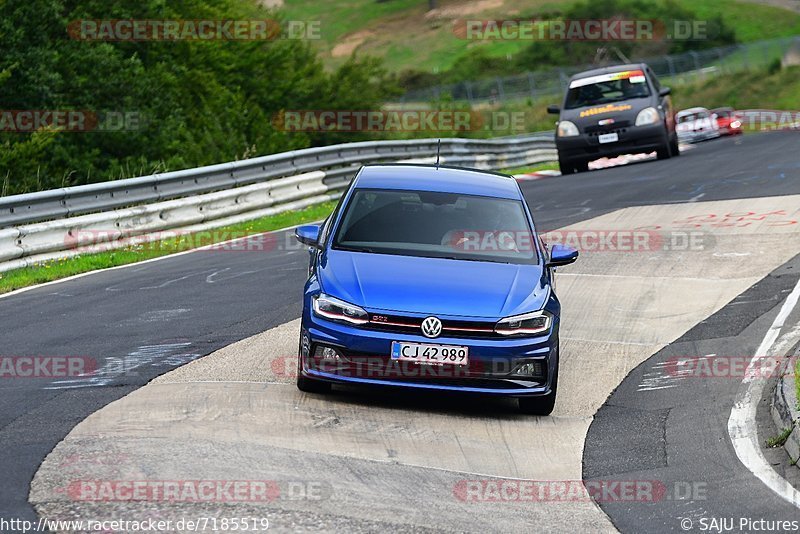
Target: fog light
529,369
327,353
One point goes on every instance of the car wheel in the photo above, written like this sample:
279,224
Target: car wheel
676,151
309,385
540,405
566,166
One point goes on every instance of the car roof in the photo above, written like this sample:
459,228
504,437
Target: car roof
441,179
610,68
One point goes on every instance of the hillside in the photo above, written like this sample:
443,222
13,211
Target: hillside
406,35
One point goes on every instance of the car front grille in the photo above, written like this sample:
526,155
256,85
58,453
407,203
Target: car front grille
617,127
412,325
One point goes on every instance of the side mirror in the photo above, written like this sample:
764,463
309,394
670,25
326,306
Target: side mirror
664,91
553,109
562,255
308,234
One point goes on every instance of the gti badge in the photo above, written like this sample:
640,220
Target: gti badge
431,327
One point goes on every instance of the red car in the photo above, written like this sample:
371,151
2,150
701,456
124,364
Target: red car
728,120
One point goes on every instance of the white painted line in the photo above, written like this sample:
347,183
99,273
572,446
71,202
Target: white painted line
742,422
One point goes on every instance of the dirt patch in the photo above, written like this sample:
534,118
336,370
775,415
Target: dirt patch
271,4
349,44
793,5
467,8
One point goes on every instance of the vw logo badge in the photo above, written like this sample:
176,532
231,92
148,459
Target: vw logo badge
431,327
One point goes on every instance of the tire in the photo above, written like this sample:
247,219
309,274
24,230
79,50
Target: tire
665,151
676,151
305,384
540,405
570,166
566,166
309,385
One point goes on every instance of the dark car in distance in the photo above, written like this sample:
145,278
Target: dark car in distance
612,111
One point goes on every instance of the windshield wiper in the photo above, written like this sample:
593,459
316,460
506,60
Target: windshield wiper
355,249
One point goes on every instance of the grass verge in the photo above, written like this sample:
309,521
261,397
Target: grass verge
780,439
62,268
546,166
797,381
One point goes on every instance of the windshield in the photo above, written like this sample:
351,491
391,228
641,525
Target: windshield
691,117
436,225
603,89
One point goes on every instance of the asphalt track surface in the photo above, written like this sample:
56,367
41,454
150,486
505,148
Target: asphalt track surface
141,321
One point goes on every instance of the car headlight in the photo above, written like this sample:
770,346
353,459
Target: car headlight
567,129
647,116
338,310
525,324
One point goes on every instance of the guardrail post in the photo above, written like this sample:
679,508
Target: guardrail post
696,64
500,90
562,78
532,85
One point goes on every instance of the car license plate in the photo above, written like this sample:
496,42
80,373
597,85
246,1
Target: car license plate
430,354
608,138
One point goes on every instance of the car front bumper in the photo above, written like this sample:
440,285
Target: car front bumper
365,359
633,140
697,136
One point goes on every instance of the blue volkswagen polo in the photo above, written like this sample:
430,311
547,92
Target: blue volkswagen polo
433,278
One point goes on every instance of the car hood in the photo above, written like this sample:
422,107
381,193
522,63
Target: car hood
432,285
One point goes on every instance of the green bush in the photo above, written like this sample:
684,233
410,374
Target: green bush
198,102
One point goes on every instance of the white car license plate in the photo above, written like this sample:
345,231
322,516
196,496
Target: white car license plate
608,138
431,354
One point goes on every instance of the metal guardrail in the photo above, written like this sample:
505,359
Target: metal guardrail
64,222
71,201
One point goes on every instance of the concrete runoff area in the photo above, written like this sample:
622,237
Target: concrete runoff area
235,414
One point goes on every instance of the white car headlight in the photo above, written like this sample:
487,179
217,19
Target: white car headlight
647,116
567,129
338,310
525,324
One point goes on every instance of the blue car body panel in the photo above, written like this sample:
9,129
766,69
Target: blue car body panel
434,286
412,287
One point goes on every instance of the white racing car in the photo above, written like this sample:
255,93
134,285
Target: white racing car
695,124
